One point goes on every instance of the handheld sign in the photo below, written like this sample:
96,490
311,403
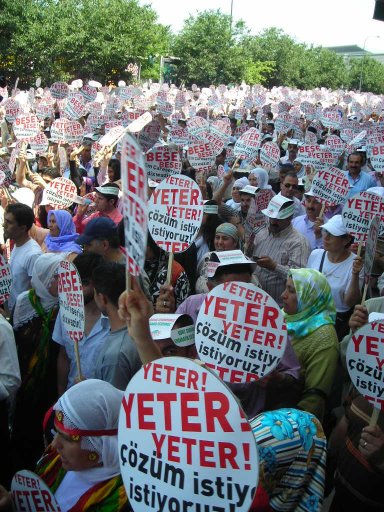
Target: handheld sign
162,327
61,193
330,187
5,280
26,126
179,418
31,494
377,157
175,213
59,90
240,332
39,143
270,155
370,250
358,212
71,300
247,145
5,174
162,161
134,181
201,156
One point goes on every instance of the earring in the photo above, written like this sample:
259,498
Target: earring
93,456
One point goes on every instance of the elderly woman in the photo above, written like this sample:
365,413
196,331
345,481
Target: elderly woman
258,177
62,235
81,466
310,315
33,321
234,202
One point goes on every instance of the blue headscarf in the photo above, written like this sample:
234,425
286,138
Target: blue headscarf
65,242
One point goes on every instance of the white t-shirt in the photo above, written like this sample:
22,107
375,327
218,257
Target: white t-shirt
21,263
339,275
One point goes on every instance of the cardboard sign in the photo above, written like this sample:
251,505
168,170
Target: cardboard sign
89,93
175,213
370,248
58,130
75,108
178,417
162,161
179,136
248,144
134,181
215,141
12,110
112,136
149,135
309,109
71,301
43,110
330,187
162,327
316,156
31,494
5,280
5,174
331,118
59,90
201,156
198,127
39,143
365,362
283,123
377,156
61,192
335,144
358,212
165,109
95,108
73,132
270,155
15,153
240,332
26,126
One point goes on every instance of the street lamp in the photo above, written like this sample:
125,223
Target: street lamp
362,59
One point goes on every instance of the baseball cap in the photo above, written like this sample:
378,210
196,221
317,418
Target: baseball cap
223,258
97,228
279,207
109,191
248,189
335,226
162,326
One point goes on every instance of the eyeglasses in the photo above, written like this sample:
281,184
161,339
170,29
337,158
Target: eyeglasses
289,185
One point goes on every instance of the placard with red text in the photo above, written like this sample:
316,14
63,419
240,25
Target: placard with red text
71,301
31,494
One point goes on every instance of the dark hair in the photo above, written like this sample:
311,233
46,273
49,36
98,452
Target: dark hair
52,172
356,153
208,229
110,196
157,251
23,214
86,263
286,167
109,279
290,174
115,165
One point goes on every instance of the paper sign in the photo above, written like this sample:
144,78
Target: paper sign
59,90
178,417
247,145
112,136
162,327
377,156
31,494
149,135
175,213
162,161
75,108
43,110
5,280
39,143
179,136
365,362
165,109
270,155
331,118
58,130
201,156
370,248
26,126
358,212
198,127
61,192
138,124
73,132
89,93
5,174
134,181
71,301
12,110
330,187
240,332
316,156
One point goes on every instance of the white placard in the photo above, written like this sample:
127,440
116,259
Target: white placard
61,192
270,155
377,156
370,248
358,212
5,174
180,418
75,108
5,280
59,90
240,332
71,301
26,126
39,143
201,156
162,161
330,187
246,146
31,494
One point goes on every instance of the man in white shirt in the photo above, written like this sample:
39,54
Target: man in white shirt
18,220
309,224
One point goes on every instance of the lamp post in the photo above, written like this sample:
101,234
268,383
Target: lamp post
362,60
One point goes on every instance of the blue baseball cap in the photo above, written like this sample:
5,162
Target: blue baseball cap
97,228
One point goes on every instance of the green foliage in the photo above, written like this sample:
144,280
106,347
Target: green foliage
258,72
371,72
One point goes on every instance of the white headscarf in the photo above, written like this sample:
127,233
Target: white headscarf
43,273
262,177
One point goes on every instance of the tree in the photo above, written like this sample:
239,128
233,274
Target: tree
371,72
210,49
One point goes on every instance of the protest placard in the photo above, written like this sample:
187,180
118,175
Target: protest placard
162,327
376,155
358,212
184,442
179,136
58,130
5,174
59,90
165,109
247,146
316,156
161,162
365,362
149,135
73,132
330,187
240,332
26,126
61,192
370,250
12,109
270,155
331,118
31,494
201,156
75,107
39,143
5,279
89,93
335,144
175,213
197,127
134,181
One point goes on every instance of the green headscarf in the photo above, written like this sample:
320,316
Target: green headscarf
315,305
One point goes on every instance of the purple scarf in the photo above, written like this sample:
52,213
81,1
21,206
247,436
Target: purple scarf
65,242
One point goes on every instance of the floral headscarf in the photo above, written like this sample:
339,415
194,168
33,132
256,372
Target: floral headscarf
315,305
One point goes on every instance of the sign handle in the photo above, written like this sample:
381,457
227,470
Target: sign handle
374,417
322,210
234,164
365,292
169,270
77,354
359,248
128,280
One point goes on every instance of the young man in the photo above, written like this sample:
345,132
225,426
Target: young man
18,220
118,359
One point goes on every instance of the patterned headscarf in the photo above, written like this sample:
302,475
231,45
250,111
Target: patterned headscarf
315,305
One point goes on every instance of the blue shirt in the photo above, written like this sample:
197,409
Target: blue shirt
306,227
360,184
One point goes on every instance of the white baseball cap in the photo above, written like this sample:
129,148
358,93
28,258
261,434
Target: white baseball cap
335,226
279,207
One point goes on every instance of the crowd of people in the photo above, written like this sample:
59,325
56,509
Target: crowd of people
296,251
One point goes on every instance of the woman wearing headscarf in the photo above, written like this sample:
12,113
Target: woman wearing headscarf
81,466
33,320
234,202
310,316
258,177
62,235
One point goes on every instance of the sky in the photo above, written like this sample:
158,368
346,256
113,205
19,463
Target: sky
321,23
